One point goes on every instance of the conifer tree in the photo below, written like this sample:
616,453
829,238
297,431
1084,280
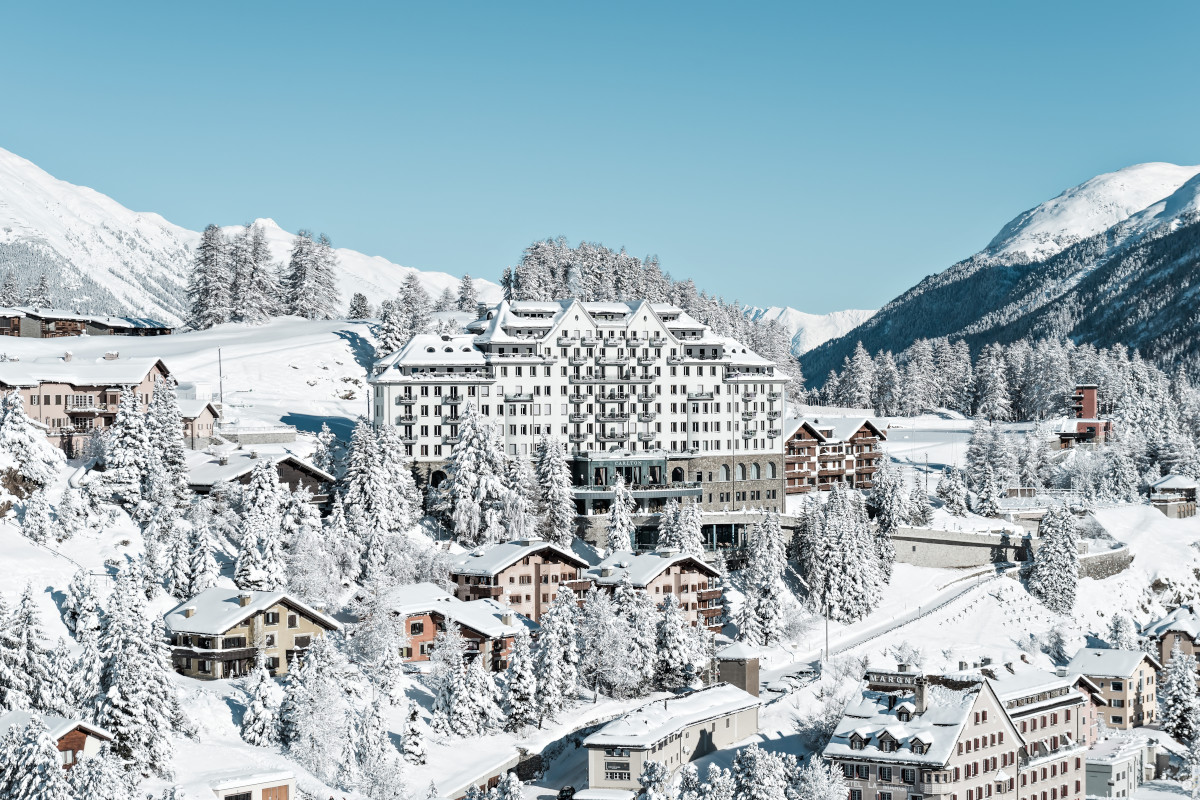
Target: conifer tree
211,281
80,606
1121,633
360,307
310,289
101,777
35,522
509,788
447,301
413,304
1177,697
620,518
921,510
36,772
988,502
1055,571
475,478
654,780
603,639
61,686
412,738
676,647
641,621
168,471
71,513
202,570
324,456
260,721
556,501
520,504
87,675
953,492
127,451
393,331
819,780
35,458
520,684
255,290
557,657
10,293
30,657
468,298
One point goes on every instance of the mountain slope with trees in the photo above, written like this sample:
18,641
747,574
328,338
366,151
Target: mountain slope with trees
1090,265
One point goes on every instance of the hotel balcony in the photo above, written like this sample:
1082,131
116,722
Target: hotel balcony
646,361
674,360
406,419
749,433
774,414
657,341
645,398
647,436
826,473
405,400
709,594
576,417
748,397
612,436
452,399
749,415
612,417
774,396
586,342
578,437
518,398
578,398
774,432
646,416
613,361
577,361
564,341
700,396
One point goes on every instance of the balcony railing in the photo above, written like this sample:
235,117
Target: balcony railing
518,398
406,419
773,396
749,433
578,437
749,415
633,378
647,416
578,398
452,399
586,342
773,414
613,361
612,436
674,360
574,417
647,436
405,400
749,396
563,341
700,396
657,341
646,361
645,398
577,361
773,432
611,417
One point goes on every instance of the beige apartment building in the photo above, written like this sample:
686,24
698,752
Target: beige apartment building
524,574
220,632
1128,683
673,731
1180,627
666,574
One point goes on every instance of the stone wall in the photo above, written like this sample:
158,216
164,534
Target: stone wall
928,547
1105,564
708,468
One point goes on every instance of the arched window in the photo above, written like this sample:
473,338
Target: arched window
677,475
755,472
437,478
771,470
724,472
741,472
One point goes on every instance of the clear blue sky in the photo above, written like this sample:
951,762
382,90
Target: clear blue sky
820,156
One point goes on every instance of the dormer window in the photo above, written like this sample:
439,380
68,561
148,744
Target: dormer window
919,747
904,715
887,745
856,742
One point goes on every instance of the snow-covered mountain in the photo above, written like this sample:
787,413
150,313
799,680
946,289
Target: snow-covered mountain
100,256
811,330
1109,261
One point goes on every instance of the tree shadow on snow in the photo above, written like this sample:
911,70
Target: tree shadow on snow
360,347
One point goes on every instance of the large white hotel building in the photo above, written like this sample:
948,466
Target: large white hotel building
641,389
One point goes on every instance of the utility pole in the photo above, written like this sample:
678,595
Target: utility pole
220,380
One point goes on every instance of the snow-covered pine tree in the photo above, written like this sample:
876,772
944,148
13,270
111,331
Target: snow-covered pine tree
71,513
603,639
127,451
641,619
482,698
168,472
411,737
620,518
684,532
952,490
414,304
1177,698
992,400
87,674
920,509
36,772
475,478
1055,571
261,564
676,647
393,332
509,788
520,684
719,784
80,605
202,570
61,665
655,781
555,499
885,393
818,780
343,545
260,720
315,719
447,301
30,657
36,460
10,293
35,520
255,294
310,289
209,288
468,298
520,503
313,570
139,704
381,775
557,656
102,777
360,307
987,503
850,582
1121,633
758,773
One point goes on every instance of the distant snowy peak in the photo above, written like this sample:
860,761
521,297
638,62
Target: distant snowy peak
101,257
1085,210
811,330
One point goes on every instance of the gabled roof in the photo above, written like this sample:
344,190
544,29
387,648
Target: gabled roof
432,350
642,568
1032,682
1174,482
206,469
1181,620
218,609
58,726
845,427
793,424
492,560
121,371
1095,662
486,616
873,713
99,319
190,408
645,726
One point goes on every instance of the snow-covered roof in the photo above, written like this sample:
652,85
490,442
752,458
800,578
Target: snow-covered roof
642,567
1174,482
793,424
1100,663
491,560
206,469
100,319
218,609
1116,748
190,408
11,311
100,371
58,726
486,616
644,726
1181,620
843,427
1030,681
251,779
737,651
872,713
431,350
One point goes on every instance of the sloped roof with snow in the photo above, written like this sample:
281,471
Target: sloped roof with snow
218,609
1181,620
58,726
644,726
190,408
99,319
1093,661
206,469
1029,682
1174,482
643,567
872,713
482,616
491,560
793,424
844,427
78,371
430,350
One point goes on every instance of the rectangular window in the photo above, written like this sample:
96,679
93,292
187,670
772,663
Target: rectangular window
238,796
271,618
885,774
293,620
416,628
269,640
864,772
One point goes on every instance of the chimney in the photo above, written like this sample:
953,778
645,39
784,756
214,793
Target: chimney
902,668
244,599
1061,672
919,696
112,355
963,666
189,612
509,619
988,672
1008,665
606,572
254,454
67,356
984,661
224,459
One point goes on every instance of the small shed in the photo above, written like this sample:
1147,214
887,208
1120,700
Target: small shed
258,786
738,665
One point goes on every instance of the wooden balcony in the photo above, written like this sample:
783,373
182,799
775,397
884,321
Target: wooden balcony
826,473
709,594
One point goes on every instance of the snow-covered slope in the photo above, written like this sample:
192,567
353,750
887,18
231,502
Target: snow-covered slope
1087,209
810,330
100,256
